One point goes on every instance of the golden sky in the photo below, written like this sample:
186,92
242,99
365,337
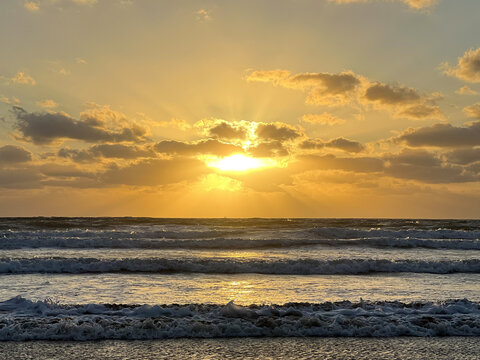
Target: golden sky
281,108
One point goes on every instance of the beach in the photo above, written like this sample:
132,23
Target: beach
452,348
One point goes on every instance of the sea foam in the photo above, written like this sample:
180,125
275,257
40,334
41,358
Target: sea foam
22,319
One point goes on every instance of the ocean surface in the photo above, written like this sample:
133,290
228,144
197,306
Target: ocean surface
122,279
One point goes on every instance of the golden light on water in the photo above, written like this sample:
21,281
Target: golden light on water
239,162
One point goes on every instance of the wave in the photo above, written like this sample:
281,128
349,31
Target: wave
380,233
239,223
22,319
235,266
210,240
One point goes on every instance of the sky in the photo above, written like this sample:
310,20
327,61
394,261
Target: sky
222,108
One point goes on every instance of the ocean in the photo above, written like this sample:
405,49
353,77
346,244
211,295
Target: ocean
183,285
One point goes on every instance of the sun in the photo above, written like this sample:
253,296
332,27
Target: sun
239,162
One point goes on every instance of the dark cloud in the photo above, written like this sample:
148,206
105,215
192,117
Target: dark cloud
350,88
312,144
227,131
391,95
345,144
323,88
111,151
268,149
45,128
422,111
326,162
439,174
414,157
408,165
338,143
326,83
209,146
156,172
24,178
443,135
11,154
79,155
276,132
62,171
463,156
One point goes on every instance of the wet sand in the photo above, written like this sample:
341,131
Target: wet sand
451,348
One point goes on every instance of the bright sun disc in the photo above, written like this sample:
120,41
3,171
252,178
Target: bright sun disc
238,162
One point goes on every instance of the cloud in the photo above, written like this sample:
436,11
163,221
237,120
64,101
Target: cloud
463,156
227,131
442,135
45,128
432,174
322,88
466,90
406,102
31,6
324,162
328,88
47,104
417,165
268,149
345,144
414,4
350,88
322,119
85,2
63,71
473,111
9,101
277,132
11,154
63,171
391,95
20,178
209,146
338,143
424,166
23,79
422,112
417,157
156,172
467,68
116,151
203,15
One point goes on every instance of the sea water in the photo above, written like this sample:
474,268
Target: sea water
85,279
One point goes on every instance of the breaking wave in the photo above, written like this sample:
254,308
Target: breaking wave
217,240
235,266
22,319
